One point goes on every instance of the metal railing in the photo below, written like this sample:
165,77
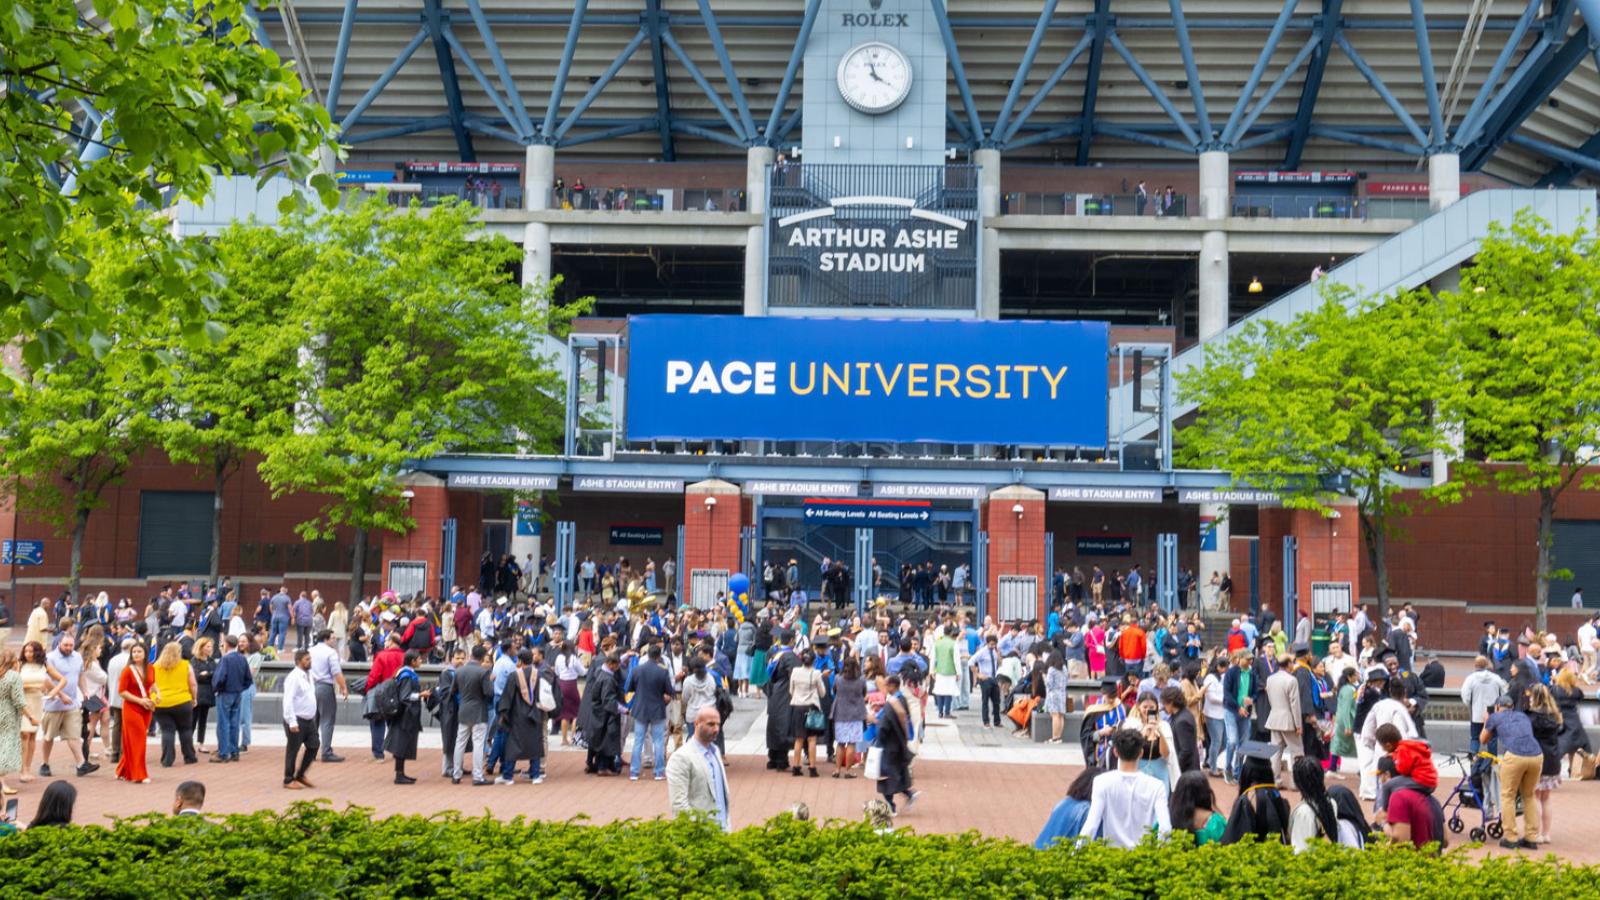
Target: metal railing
651,199
1073,203
1297,206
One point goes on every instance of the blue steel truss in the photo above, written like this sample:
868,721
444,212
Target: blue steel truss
1518,82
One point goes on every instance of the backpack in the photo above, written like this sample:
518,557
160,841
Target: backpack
548,701
387,701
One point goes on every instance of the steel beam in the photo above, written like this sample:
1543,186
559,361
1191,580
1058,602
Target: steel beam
1430,77
1230,132
432,123
609,133
708,134
1530,13
1327,31
1570,157
1382,89
957,70
790,124
601,83
961,128
341,52
1275,133
1155,90
1102,24
791,71
433,20
372,93
253,12
1049,134
1048,86
509,86
656,22
1277,87
704,83
478,76
1533,92
1562,175
1191,71
564,67
1026,63
1364,140
492,130
1139,137
729,76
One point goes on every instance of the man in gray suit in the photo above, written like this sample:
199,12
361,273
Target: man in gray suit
696,778
1284,719
472,691
652,691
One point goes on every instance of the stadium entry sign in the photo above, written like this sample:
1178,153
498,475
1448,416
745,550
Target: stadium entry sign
905,380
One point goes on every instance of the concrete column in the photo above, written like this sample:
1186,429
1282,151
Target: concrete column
988,162
1447,281
1444,180
1216,184
757,162
527,548
536,253
540,176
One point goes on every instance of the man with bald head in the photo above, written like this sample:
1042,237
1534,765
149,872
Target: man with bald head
696,777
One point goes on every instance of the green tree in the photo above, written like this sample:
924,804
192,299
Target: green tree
124,106
76,423
1333,402
411,337
1525,344
214,410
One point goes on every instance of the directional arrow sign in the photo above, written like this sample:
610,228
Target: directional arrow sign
22,553
869,513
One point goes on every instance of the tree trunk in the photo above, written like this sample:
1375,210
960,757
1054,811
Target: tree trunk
220,471
80,524
1378,555
358,567
1547,539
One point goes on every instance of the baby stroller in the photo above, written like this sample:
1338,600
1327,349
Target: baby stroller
1478,789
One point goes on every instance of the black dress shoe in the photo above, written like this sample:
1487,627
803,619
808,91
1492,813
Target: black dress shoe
332,757
1510,844
404,779
1527,844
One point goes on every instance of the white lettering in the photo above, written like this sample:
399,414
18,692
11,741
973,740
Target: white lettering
766,377
705,380
736,377
678,374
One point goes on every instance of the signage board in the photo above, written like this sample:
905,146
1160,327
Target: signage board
1105,545
780,488
366,176
869,513
501,481
529,522
942,381
21,553
1252,177
1084,494
638,535
462,168
1245,496
929,491
627,484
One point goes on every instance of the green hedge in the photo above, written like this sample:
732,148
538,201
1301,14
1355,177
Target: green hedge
314,852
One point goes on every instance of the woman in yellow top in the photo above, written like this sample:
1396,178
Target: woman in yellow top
174,695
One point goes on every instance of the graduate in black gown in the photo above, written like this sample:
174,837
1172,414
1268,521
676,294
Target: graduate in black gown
1260,810
783,662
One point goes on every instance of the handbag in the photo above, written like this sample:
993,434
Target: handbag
815,720
547,696
873,769
93,705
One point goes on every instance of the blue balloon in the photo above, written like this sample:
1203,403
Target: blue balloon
738,583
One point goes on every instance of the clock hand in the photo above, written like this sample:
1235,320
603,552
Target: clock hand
873,71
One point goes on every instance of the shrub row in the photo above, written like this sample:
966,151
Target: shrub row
314,852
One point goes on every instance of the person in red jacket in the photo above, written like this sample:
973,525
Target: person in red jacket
1131,645
384,665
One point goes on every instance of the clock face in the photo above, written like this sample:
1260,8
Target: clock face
874,78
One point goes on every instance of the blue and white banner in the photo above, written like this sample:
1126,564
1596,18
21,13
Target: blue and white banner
958,382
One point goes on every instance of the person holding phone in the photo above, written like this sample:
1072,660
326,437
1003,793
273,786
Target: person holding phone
13,710
136,687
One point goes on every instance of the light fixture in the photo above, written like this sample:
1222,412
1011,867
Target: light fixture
837,141
1255,286
909,142
1017,508
710,502
407,494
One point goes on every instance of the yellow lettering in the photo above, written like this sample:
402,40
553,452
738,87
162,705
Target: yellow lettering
974,376
1024,371
861,380
811,378
941,380
1054,382
1000,392
912,378
888,383
841,378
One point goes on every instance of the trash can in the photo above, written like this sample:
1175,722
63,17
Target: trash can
1321,640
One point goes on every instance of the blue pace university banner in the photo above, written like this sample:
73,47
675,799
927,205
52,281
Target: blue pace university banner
962,382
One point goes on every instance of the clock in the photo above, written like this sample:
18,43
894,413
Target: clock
874,78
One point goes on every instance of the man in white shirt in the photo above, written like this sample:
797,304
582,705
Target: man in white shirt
1127,804
327,676
299,721
177,613
1577,598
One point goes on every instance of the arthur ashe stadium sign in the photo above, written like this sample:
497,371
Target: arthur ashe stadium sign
943,381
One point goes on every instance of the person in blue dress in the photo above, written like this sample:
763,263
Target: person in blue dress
1066,820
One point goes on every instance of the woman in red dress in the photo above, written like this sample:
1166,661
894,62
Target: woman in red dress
136,687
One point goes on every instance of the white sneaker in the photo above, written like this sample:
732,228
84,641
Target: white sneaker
502,780
539,780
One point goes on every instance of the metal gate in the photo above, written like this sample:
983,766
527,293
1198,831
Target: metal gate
749,564
1058,591
1167,570
1291,591
447,558
1330,598
566,563
863,568
1019,598
408,577
980,573
676,587
705,584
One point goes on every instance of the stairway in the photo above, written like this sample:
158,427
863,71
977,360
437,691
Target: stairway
1409,259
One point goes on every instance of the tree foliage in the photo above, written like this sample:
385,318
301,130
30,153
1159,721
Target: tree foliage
1334,402
108,111
1525,353
404,335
